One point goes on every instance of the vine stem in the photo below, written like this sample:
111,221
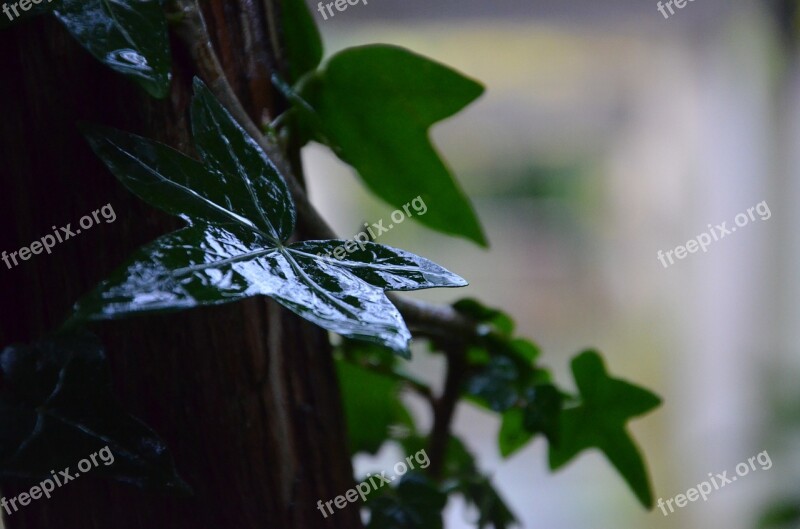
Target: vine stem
444,409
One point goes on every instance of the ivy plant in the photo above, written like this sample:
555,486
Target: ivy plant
373,106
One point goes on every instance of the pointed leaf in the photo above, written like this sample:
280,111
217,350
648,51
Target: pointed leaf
241,215
374,106
599,422
129,36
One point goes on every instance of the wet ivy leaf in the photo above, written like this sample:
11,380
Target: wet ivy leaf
416,503
600,420
56,408
240,215
373,105
129,36
371,405
302,40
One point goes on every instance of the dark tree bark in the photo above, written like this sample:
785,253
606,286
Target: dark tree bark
245,394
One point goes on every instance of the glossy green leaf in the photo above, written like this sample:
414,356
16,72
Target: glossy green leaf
374,106
301,38
416,503
600,422
56,408
129,36
240,214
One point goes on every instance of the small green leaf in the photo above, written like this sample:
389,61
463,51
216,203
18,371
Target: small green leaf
301,38
374,105
240,215
56,408
129,36
599,422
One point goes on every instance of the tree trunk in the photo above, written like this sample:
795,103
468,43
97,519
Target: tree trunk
245,394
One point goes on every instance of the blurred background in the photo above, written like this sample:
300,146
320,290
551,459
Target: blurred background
608,133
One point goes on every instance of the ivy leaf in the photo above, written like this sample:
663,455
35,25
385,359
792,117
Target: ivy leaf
301,37
56,408
240,215
373,105
129,36
599,422
416,503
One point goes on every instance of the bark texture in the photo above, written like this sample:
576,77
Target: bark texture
244,394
